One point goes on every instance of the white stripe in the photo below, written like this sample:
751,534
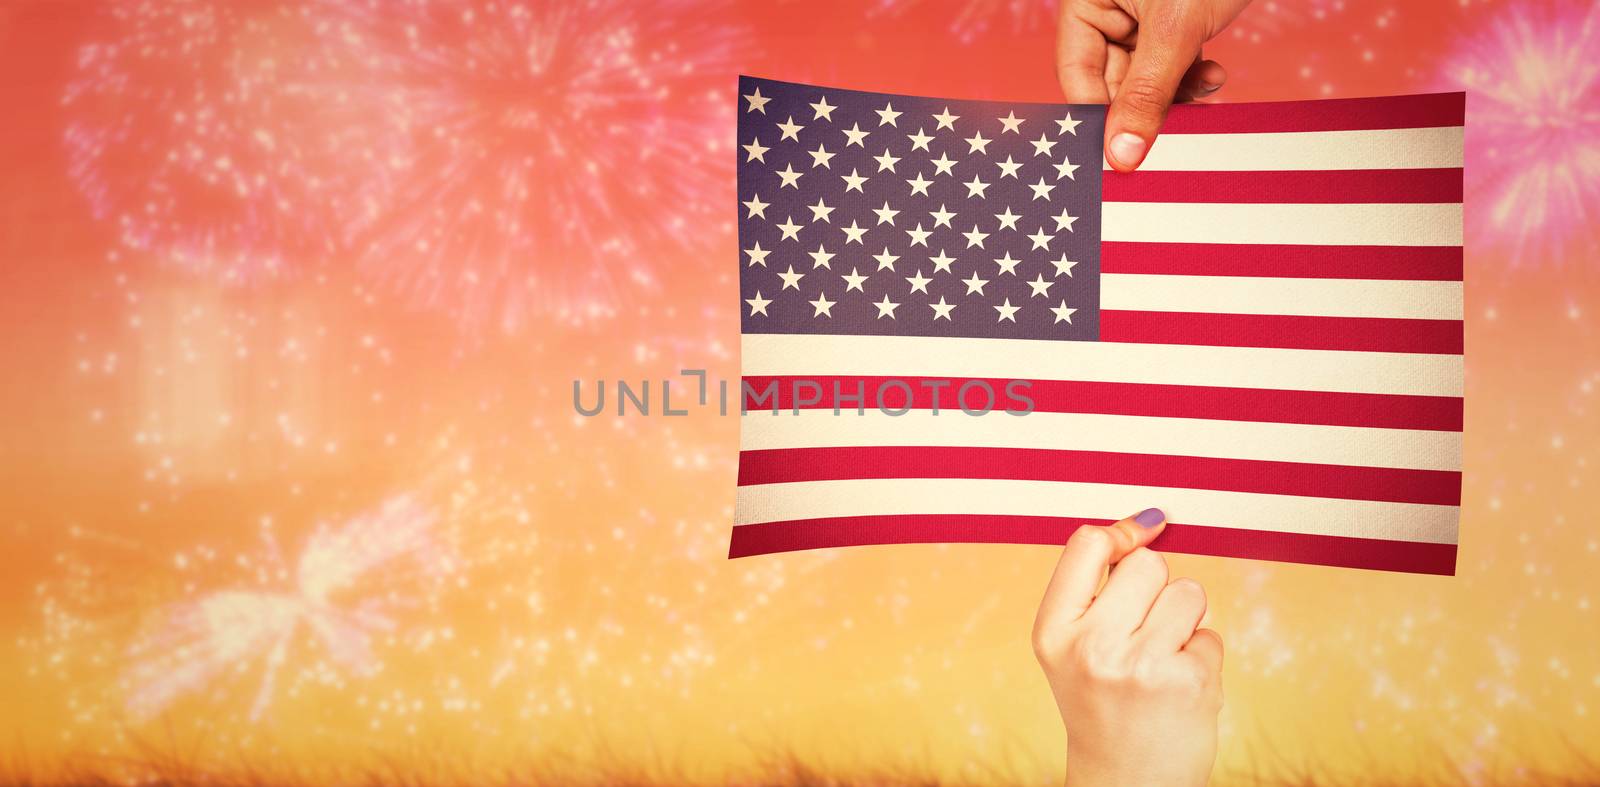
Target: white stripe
1399,148
1039,359
1414,449
1422,300
1378,224
1277,513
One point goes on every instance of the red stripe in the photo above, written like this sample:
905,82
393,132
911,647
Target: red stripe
1330,408
1372,334
1342,114
1325,186
1390,485
1422,263
1371,553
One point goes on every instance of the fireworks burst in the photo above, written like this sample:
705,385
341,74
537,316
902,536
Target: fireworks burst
973,18
1533,141
196,642
211,135
554,151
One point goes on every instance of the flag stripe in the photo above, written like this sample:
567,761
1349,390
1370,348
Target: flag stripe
1306,333
1278,513
1417,300
1439,413
1432,487
1386,224
1416,374
1412,148
1327,186
1384,112
1385,555
1431,263
1259,440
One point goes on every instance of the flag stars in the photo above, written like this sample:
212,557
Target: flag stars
1066,169
823,306
853,280
1008,168
1008,220
756,207
791,230
791,279
758,255
975,285
946,120
1041,288
886,308
944,165
821,211
1007,264
855,136
976,187
1042,145
823,110
756,151
1064,221
974,237
820,157
853,181
918,282
941,217
919,140
791,179
758,304
1007,311
941,310
1041,190
1064,266
758,102
941,262
919,185
821,258
886,214
1063,314
1068,125
977,144
790,129
919,236
887,115
886,161
1011,123
885,259
1040,240
853,233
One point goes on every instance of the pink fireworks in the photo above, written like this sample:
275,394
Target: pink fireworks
1532,78
555,154
210,135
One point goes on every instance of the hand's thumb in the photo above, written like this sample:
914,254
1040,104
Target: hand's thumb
1165,50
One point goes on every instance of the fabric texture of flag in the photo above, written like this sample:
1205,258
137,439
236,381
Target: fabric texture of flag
957,326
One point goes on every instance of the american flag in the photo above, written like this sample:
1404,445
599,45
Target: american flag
1259,332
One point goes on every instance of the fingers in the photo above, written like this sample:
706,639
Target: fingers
1169,41
1202,80
1083,562
1080,59
1206,645
1174,616
1133,587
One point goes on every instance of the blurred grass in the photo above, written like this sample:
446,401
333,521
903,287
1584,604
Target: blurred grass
164,768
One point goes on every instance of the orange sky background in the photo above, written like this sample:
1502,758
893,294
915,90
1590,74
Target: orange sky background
293,294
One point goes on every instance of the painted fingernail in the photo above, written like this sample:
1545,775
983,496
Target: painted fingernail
1150,517
1127,149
